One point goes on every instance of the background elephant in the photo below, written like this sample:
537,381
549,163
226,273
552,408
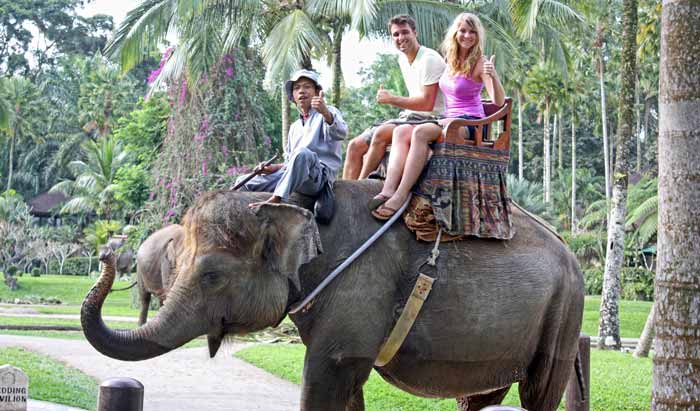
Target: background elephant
155,265
500,311
124,256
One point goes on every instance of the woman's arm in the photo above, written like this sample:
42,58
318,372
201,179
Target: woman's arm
489,77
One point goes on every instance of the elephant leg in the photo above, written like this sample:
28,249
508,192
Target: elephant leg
334,385
145,299
545,383
479,401
357,401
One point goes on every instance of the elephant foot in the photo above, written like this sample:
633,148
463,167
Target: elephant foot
479,401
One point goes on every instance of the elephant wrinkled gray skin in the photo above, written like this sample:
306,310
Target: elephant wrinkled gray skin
155,265
500,311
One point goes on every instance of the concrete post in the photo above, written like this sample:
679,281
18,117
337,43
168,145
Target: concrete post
120,394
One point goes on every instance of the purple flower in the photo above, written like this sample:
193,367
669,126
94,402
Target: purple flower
205,124
228,59
151,196
155,73
204,168
237,170
170,213
183,94
229,72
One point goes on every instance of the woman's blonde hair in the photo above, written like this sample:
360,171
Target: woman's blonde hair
450,47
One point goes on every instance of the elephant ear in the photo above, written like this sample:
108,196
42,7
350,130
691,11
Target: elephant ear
290,238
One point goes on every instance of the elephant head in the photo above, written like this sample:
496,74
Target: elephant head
236,270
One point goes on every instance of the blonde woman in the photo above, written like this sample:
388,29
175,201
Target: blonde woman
466,75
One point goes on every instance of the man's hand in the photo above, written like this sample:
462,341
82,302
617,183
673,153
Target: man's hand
262,169
383,96
318,103
489,67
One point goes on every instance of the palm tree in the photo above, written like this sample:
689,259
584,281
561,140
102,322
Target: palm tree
92,189
676,359
609,325
24,101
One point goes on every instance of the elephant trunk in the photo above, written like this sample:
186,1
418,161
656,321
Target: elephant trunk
131,345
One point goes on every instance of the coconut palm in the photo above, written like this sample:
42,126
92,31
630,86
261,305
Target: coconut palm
24,102
92,189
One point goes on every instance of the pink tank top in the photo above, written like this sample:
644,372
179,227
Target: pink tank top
462,96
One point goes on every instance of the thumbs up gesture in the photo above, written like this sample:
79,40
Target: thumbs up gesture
383,96
318,103
489,67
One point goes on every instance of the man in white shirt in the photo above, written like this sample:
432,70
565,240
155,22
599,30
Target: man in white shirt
421,68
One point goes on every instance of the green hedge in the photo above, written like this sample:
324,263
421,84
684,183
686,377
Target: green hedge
75,266
637,283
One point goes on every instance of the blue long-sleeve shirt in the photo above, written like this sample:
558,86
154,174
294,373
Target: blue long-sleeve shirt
320,137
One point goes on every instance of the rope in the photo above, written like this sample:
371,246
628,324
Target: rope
296,308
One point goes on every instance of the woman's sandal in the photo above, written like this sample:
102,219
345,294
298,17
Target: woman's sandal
376,202
387,214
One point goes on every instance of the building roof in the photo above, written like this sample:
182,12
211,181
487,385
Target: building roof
43,204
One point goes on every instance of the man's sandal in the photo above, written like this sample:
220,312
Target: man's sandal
376,202
383,213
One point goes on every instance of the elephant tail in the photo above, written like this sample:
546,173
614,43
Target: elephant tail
125,288
579,376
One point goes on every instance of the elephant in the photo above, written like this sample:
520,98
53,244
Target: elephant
499,312
125,258
155,265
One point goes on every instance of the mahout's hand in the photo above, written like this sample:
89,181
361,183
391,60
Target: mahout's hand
318,103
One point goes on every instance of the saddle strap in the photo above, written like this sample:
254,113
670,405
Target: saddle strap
420,293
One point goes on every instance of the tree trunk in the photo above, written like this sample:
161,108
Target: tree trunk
554,141
337,70
285,119
10,161
609,319
644,344
604,122
560,156
573,175
520,136
638,132
546,174
676,382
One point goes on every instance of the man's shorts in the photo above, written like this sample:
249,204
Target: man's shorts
404,118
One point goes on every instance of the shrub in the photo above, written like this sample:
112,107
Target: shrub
637,284
74,265
12,270
36,272
593,281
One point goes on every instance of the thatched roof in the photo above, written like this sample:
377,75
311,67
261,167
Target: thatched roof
43,204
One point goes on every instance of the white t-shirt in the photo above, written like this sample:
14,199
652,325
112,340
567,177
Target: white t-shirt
425,70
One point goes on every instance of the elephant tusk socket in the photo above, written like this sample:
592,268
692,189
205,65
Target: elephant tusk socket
297,307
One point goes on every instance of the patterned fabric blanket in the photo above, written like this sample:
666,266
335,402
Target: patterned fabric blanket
466,187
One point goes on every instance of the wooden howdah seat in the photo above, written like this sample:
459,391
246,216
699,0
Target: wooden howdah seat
494,116
462,190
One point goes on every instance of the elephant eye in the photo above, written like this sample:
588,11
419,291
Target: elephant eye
210,279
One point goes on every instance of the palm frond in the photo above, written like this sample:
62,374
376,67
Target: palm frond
66,187
640,214
361,12
204,48
78,205
144,28
290,42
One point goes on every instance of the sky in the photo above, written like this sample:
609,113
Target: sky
355,53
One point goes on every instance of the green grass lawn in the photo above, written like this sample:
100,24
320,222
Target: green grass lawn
51,380
70,290
633,315
618,381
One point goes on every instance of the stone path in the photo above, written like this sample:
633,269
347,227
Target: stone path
182,380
